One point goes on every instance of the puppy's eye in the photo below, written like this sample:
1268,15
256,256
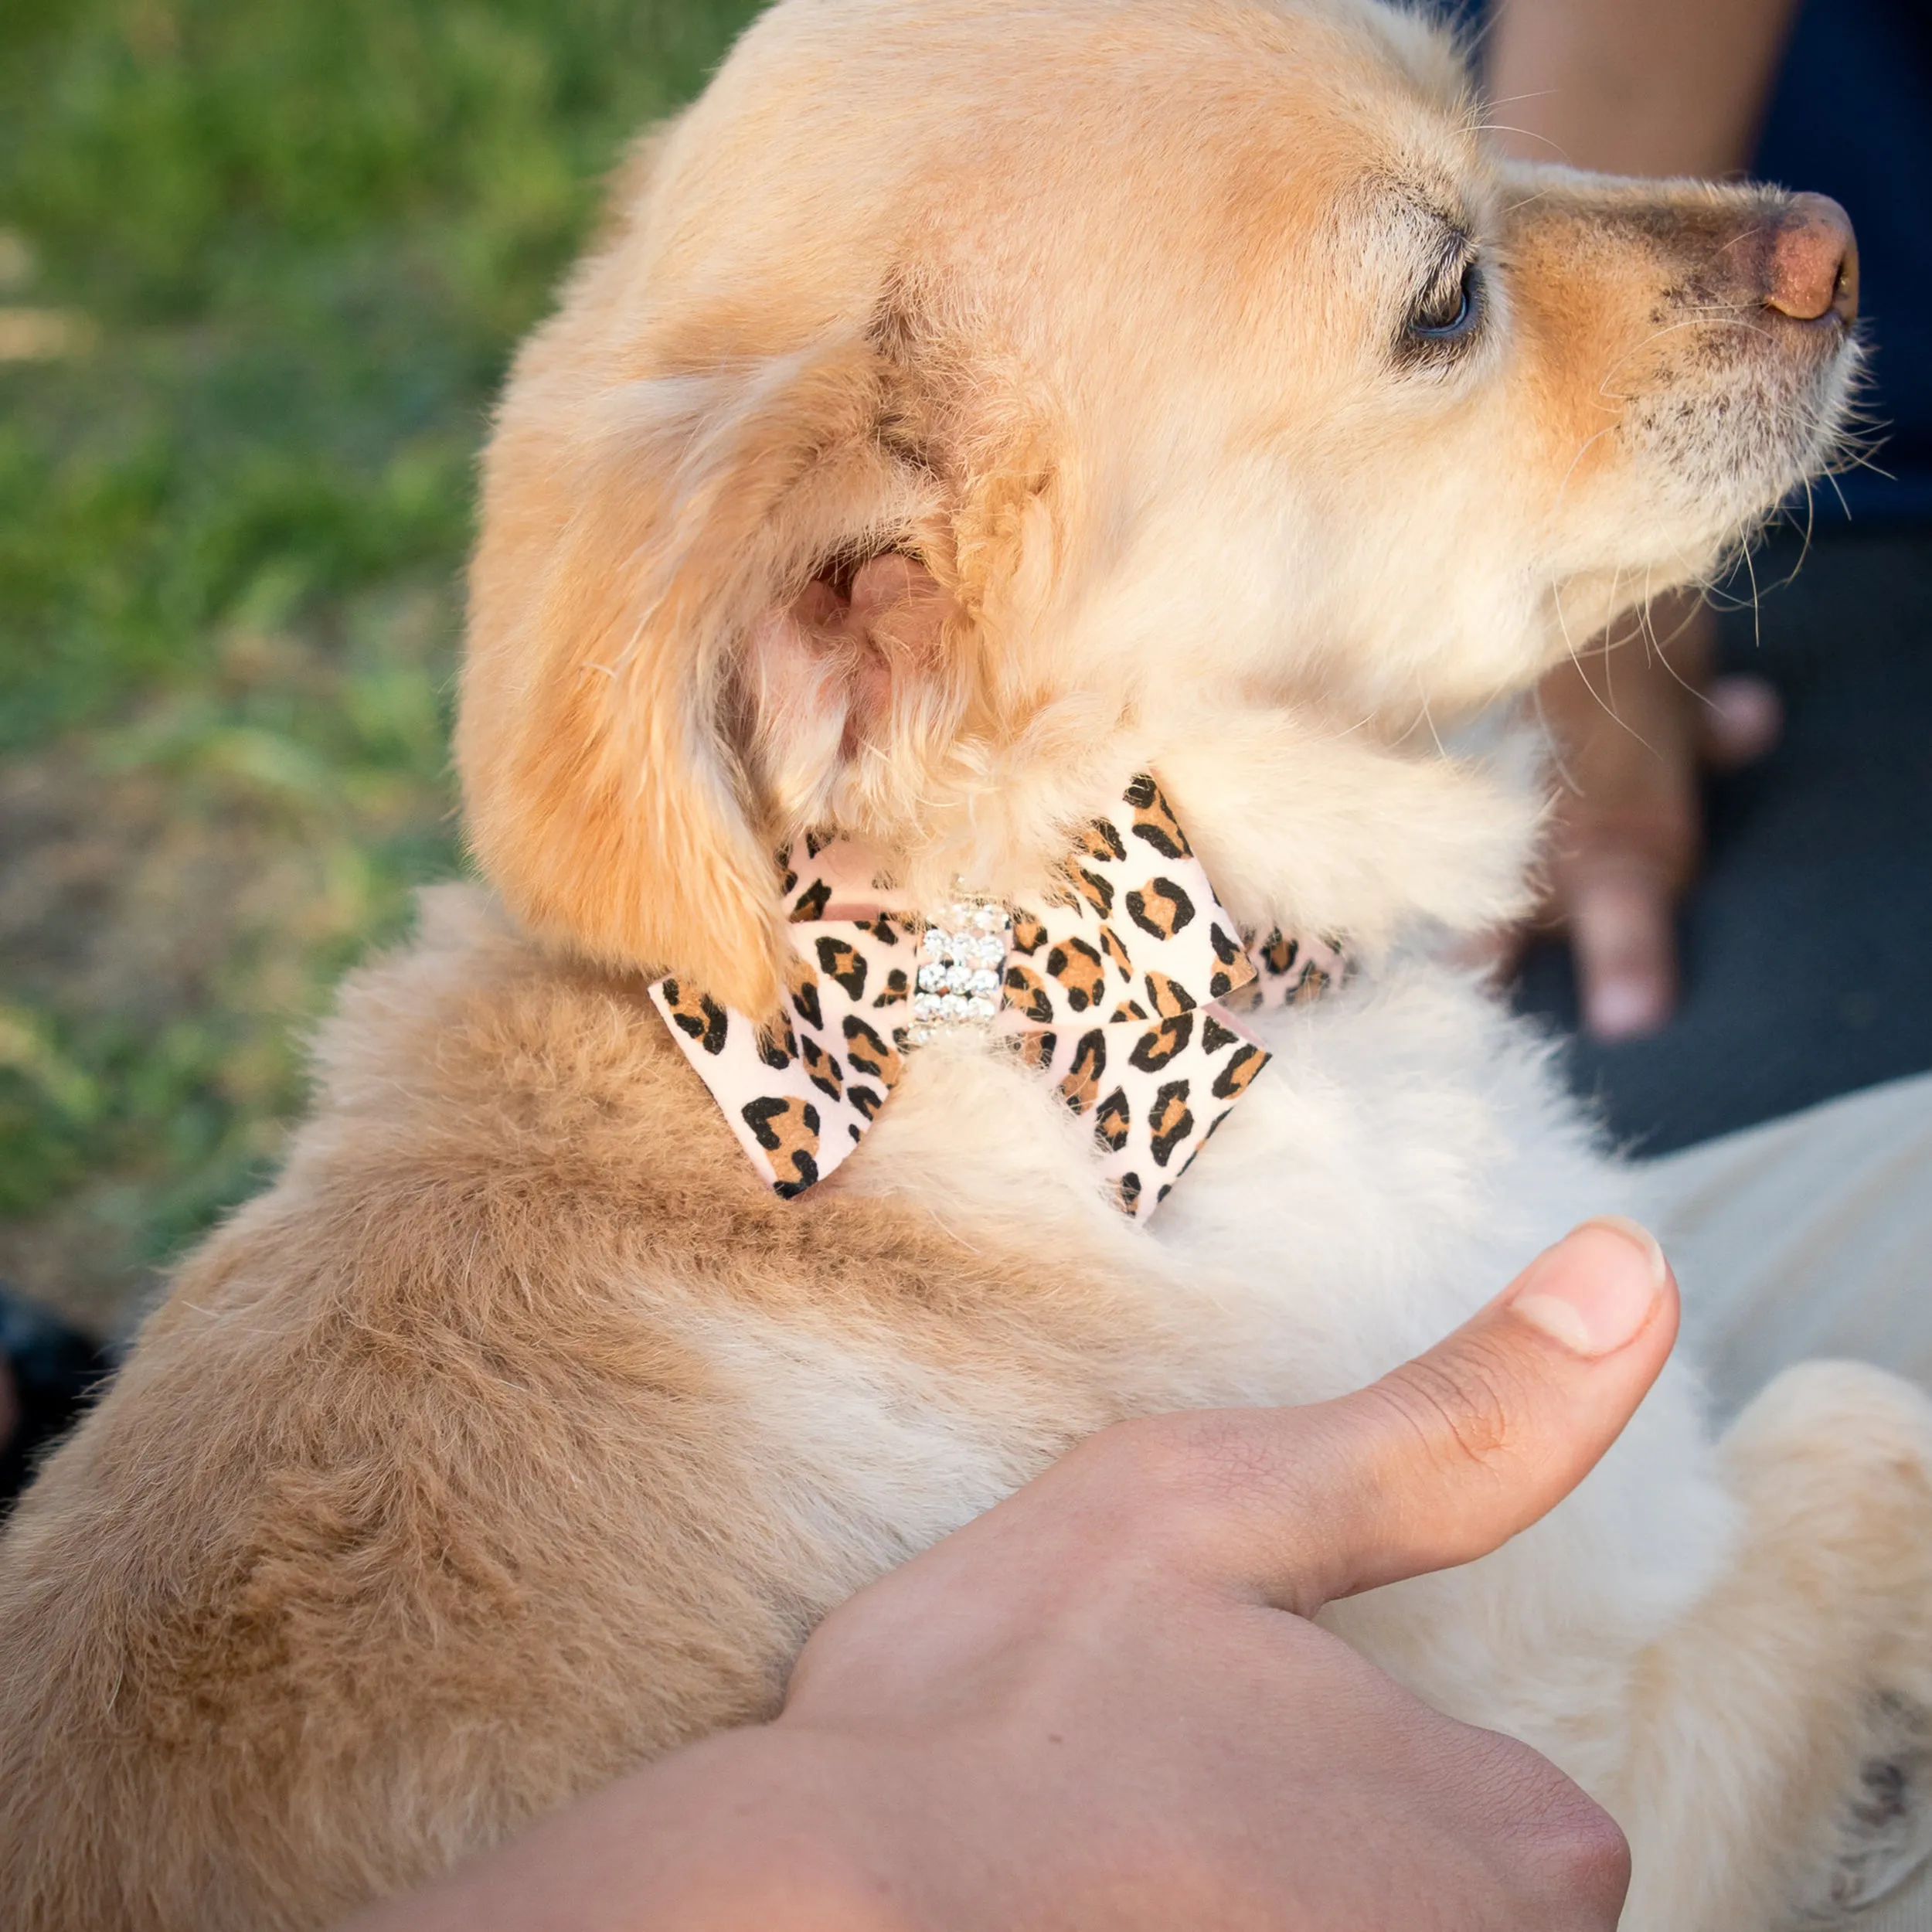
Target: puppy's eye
1451,310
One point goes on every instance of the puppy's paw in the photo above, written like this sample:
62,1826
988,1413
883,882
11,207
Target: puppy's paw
1836,1461
1883,1831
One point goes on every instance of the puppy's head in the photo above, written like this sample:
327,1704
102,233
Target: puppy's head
958,396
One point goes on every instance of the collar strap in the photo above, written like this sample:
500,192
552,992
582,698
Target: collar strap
1122,989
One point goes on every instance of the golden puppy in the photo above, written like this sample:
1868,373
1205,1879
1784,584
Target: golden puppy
1007,438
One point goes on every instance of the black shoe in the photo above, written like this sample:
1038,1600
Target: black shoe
55,1371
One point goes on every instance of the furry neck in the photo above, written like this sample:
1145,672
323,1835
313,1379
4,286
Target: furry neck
1301,827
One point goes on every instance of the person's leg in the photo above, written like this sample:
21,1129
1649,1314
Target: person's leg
1810,1235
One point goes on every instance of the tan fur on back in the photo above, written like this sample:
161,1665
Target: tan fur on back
363,1541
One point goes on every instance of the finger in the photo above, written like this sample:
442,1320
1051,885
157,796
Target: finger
1625,948
1453,1453
1743,719
1493,956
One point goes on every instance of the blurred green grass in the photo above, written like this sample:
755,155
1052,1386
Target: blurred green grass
262,263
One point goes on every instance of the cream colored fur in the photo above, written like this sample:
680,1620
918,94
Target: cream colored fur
519,1433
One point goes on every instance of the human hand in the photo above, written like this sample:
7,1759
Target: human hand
1101,1704
1631,723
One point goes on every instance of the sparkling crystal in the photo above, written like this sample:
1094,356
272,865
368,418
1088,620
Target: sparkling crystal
964,949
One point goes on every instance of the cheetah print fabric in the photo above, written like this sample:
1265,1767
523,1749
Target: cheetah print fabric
1122,989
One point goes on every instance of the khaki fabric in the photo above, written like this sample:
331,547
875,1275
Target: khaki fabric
1810,1235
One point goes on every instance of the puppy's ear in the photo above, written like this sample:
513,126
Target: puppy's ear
665,565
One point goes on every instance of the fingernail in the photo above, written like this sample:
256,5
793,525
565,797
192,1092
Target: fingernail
1586,1293
1625,1009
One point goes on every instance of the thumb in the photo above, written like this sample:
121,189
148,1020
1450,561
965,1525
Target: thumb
1453,1453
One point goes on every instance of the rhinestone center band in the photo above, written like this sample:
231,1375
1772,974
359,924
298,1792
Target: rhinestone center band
959,979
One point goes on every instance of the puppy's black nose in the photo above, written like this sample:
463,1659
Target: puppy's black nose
1811,268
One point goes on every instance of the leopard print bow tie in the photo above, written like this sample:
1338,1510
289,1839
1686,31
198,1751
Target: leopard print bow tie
1121,989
